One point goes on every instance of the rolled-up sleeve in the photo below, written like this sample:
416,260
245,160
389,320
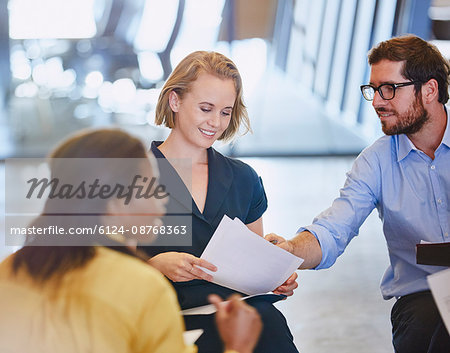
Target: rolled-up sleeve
335,227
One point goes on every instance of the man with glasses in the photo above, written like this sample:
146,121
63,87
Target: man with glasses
406,176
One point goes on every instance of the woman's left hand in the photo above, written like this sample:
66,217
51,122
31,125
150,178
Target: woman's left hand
181,267
287,288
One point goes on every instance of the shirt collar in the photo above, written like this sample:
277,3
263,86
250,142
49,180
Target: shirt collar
446,138
405,145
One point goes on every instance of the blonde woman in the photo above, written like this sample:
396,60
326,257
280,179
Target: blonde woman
201,103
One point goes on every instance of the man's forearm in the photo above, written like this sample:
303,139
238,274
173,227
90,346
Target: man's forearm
306,246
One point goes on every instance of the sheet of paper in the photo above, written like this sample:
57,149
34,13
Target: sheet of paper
440,288
200,310
430,242
191,336
245,261
211,309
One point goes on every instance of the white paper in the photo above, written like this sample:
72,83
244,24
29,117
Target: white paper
245,261
200,310
191,336
211,308
440,288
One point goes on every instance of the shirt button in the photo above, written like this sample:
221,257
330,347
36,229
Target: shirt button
439,201
446,234
433,167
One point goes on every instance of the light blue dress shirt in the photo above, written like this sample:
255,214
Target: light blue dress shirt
412,195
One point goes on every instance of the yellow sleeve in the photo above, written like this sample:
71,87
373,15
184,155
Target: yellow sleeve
160,327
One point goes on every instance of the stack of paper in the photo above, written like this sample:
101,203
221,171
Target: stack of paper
245,261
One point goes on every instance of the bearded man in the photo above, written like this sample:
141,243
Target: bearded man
406,176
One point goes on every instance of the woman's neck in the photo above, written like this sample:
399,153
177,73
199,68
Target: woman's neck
174,147
191,164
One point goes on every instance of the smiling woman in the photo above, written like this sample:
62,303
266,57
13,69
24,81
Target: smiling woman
205,111
186,74
201,103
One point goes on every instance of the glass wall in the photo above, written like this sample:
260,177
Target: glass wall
83,63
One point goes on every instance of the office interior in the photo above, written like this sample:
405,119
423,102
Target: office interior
70,65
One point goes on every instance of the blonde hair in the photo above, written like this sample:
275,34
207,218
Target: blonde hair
186,72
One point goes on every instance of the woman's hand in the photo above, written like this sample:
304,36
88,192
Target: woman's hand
238,323
287,288
181,267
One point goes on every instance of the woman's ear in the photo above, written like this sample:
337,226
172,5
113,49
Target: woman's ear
174,101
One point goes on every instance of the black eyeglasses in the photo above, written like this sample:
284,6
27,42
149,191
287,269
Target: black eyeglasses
386,90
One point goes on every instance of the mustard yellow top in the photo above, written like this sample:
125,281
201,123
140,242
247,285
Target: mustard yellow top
114,304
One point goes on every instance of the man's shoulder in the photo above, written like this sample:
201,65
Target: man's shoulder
379,155
381,146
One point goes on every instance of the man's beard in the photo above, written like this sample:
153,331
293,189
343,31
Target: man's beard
408,123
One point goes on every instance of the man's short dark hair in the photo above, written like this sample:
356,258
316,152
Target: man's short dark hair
422,61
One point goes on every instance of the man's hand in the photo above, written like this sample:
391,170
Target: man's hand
238,323
287,288
304,245
280,241
180,267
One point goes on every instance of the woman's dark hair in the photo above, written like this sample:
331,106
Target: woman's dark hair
422,61
44,262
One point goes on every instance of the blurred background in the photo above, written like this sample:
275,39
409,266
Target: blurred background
71,64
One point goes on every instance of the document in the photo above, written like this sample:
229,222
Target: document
211,308
191,336
440,288
245,261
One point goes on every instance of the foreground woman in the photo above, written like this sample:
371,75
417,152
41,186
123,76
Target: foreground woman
89,298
